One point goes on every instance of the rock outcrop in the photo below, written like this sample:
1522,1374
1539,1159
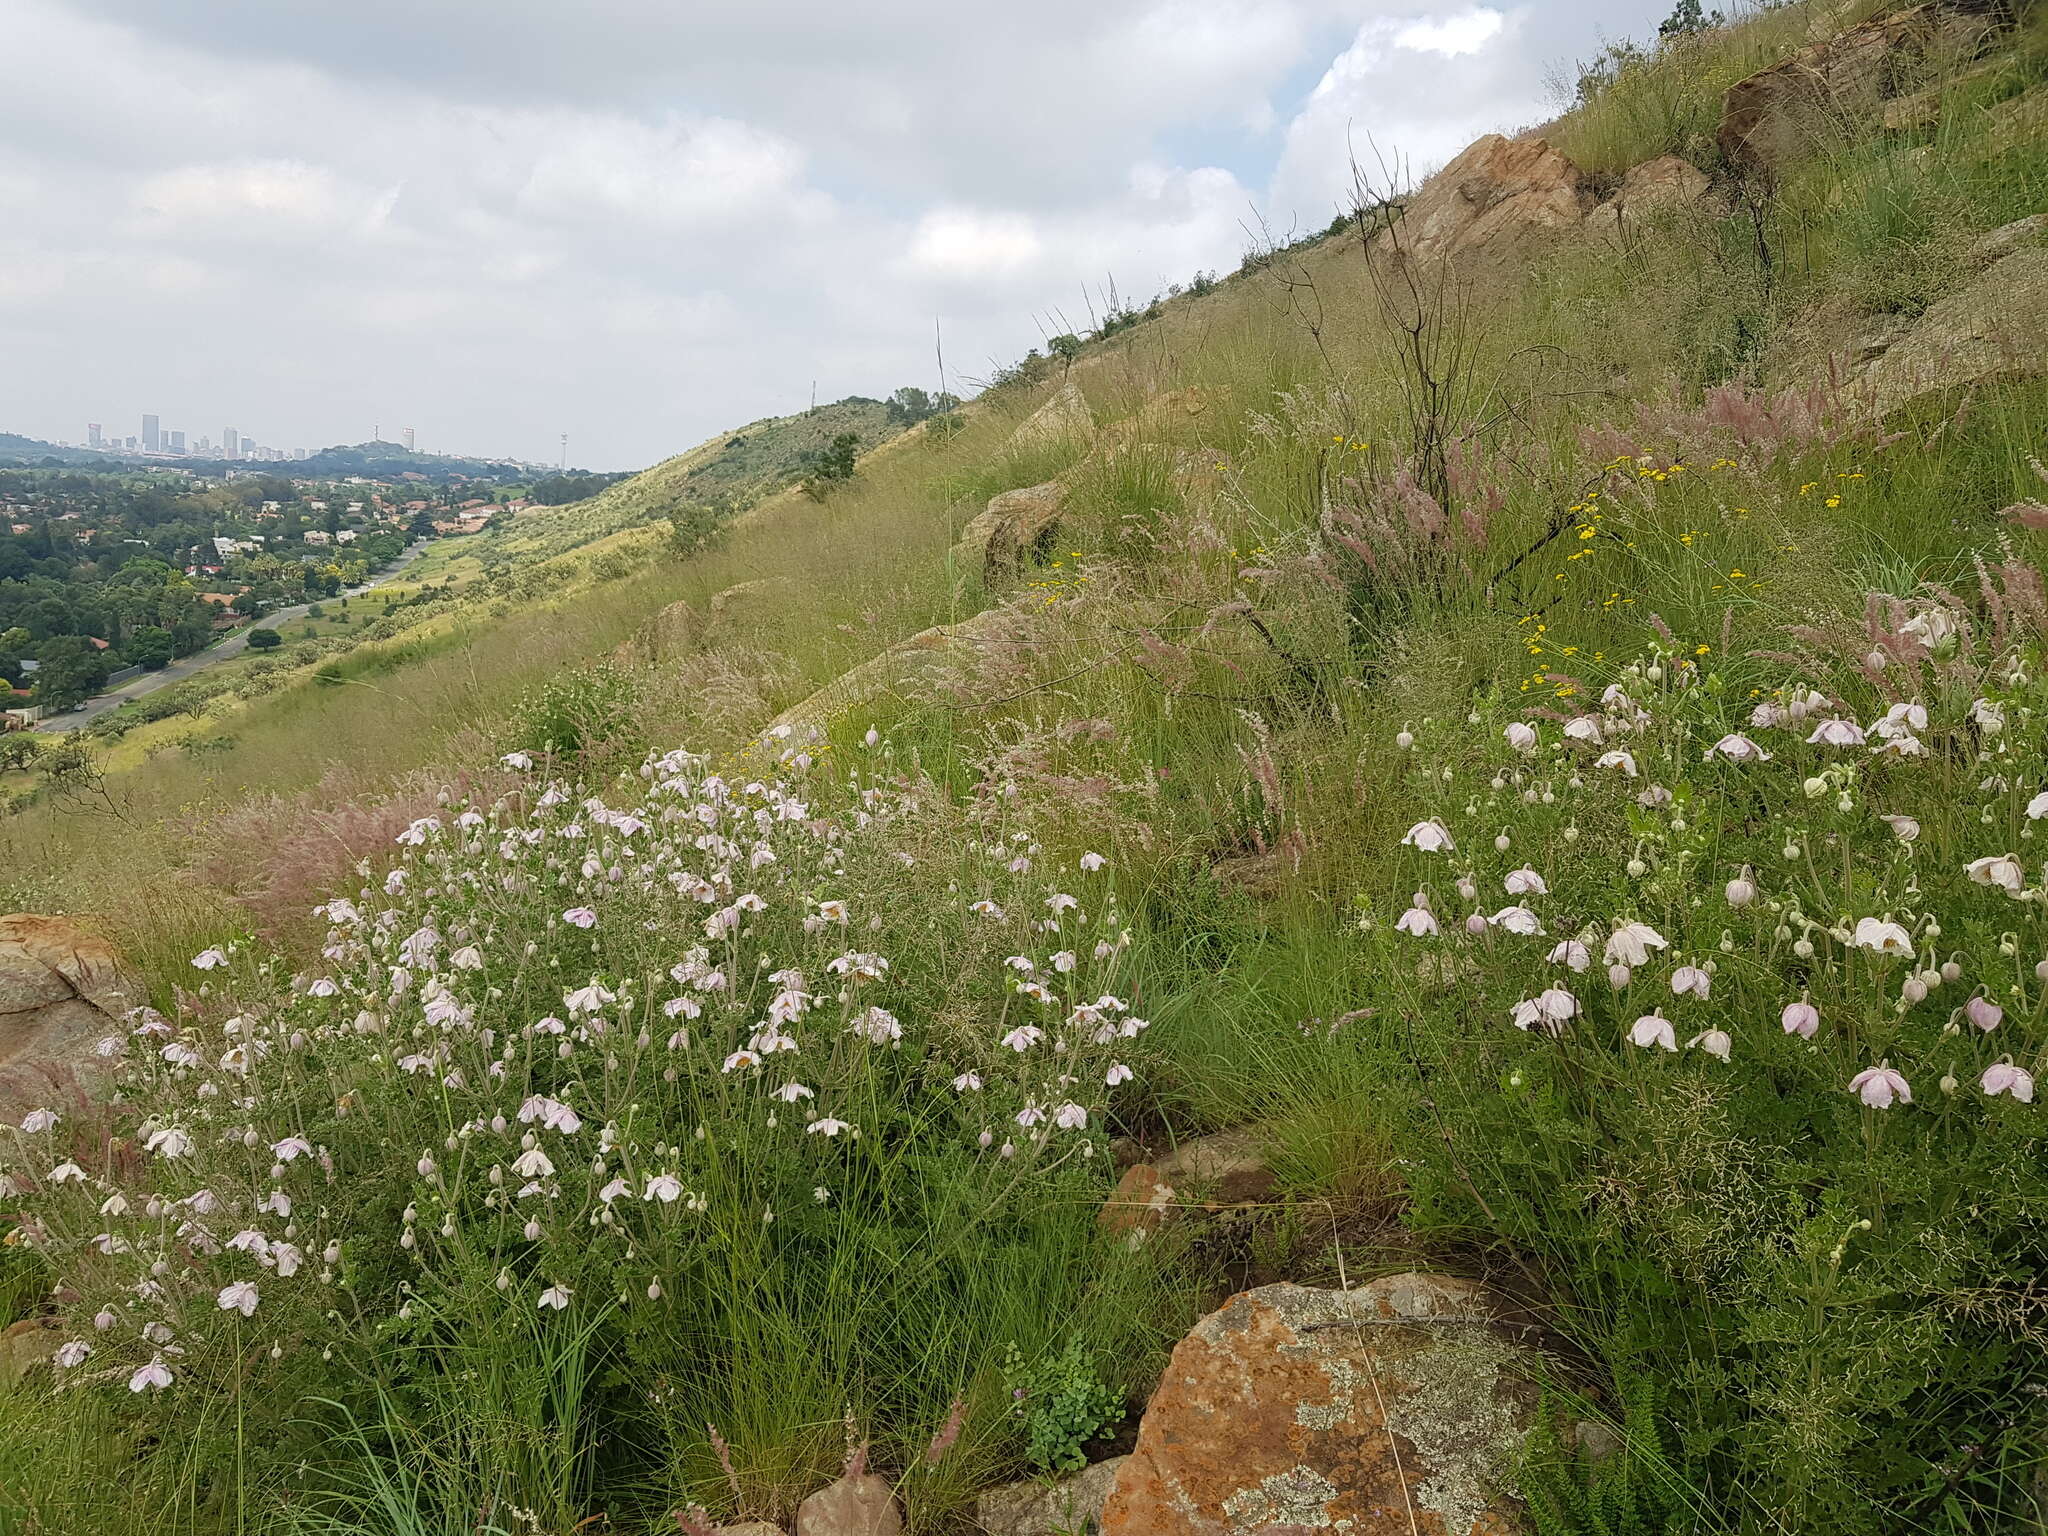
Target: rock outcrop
1656,187
674,631
858,1504
1497,189
62,989
1994,326
1012,530
1070,1507
1210,1173
1065,416
1399,1407
1782,113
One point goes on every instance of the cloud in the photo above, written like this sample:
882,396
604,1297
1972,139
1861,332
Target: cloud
641,222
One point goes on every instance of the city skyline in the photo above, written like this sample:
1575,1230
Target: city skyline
234,445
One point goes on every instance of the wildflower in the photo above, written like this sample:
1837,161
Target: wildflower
2004,1077
1931,626
1572,953
1023,1037
580,917
556,1297
239,1297
1983,1013
73,1353
792,1092
1738,748
1836,733
1517,920
1525,882
154,1376
1092,862
209,959
827,1127
1070,1117
1521,736
1117,1073
1617,759
517,760
1690,978
1801,1019
39,1120
2001,870
1653,1029
66,1173
1064,961
1880,1087
665,1187
1881,936
1631,943
290,1148
1905,828
967,1082
533,1164
1430,836
2038,806
1584,728
1419,921
832,911
1715,1042
985,908
614,1190
740,1059
1741,891
1547,1010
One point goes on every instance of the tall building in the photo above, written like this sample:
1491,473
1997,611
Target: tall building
176,442
408,439
230,443
151,439
92,434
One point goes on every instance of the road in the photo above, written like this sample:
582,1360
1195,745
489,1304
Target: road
199,661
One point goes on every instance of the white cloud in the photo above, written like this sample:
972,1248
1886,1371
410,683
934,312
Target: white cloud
1453,35
288,190
964,244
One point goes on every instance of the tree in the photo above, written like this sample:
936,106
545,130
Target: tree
1687,19
265,639
150,649
908,406
1065,348
71,670
832,466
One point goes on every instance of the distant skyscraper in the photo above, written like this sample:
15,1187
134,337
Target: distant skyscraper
129,444
150,437
176,442
230,443
92,434
408,439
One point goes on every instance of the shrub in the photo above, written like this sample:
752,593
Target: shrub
265,639
1061,1403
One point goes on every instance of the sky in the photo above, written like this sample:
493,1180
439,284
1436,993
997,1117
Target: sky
639,222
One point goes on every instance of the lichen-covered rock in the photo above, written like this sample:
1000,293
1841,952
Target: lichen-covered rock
1013,529
1495,189
1228,1168
1399,1407
1779,114
1064,416
26,1345
1656,187
858,1504
62,989
1142,1202
1994,326
1070,1507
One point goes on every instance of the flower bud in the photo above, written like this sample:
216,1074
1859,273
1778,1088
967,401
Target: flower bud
1404,740
1815,787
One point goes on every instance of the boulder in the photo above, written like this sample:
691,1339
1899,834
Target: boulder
1142,1202
858,1504
1011,530
26,1345
1994,326
674,631
1063,417
1496,190
1657,186
61,990
1781,113
1398,1407
2007,238
1070,1507
1209,1173
750,1528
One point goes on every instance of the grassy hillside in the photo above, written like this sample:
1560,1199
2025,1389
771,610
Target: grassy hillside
1560,766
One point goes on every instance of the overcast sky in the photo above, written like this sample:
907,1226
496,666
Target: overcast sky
641,221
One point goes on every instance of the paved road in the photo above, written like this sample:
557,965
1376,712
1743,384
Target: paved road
198,661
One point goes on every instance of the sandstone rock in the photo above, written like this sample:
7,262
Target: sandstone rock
61,990
1654,187
1168,418
751,1528
1070,1507
721,601
1780,113
26,1345
2007,238
904,664
1400,1407
1064,416
1012,529
1225,1169
1994,326
859,1504
1142,1202
1496,189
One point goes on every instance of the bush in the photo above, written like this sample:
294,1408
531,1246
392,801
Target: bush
577,713
265,639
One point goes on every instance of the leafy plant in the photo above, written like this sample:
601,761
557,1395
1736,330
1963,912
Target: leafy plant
1061,1403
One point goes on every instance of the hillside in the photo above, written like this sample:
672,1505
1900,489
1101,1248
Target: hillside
1475,787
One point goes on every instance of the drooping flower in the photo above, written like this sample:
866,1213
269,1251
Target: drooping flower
1715,1042
238,1297
1882,936
1836,733
665,1187
1905,828
66,1173
154,1376
37,1120
2004,1077
2001,870
1525,882
1117,1073
1419,921
1617,759
1521,736
1880,1087
73,1352
556,1298
1570,952
1584,728
1691,978
580,917
209,959
1023,1037
827,1127
1801,1019
616,1189
1517,920
1070,1117
1983,1013
1653,1029
1630,944
1738,748
533,1164
1092,862
1548,1010
290,1149
552,1114
1430,836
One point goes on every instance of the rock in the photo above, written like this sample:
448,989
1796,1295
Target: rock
750,1528
1142,1202
1994,326
61,990
1014,528
1070,1507
2007,238
1224,1169
1781,113
26,1345
672,632
859,1504
1496,189
1656,186
1400,1407
1064,417
1596,1441
905,665
1168,418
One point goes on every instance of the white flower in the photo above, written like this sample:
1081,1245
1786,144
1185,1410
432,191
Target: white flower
1117,1073
2001,870
238,1297
1070,1117
1715,1042
665,1187
39,1120
1583,728
826,1127
1836,733
1419,921
290,1148
1881,935
1653,1029
1880,1087
1905,828
580,917
985,908
73,1353
1517,920
740,1059
1931,626
552,1114
1525,882
66,1173
1546,1011
517,760
789,1093
1023,1037
1630,944
1738,748
1572,953
1521,736
877,1026
2004,1077
533,1164
1617,759
209,959
967,1082
154,1376
1092,861
556,1298
1690,978
2038,806
1430,836
614,1190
